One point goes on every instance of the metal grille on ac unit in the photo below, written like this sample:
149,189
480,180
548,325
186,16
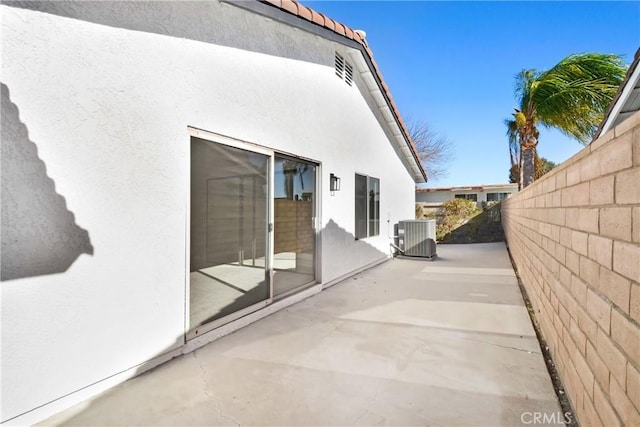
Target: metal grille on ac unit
417,237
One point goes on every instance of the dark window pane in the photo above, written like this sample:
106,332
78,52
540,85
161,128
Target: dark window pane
361,206
293,225
473,197
229,211
496,196
374,206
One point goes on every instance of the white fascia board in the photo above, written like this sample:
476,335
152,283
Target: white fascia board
624,96
385,109
388,115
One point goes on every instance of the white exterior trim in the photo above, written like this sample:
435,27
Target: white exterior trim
628,89
437,196
367,76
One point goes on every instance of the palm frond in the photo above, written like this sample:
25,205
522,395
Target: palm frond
525,82
574,95
512,130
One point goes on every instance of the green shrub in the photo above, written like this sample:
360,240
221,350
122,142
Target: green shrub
456,212
459,207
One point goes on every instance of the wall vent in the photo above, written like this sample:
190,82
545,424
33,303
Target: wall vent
344,70
339,66
348,74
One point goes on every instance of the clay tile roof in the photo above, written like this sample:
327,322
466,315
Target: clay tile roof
297,9
348,32
290,6
339,29
329,23
304,12
317,18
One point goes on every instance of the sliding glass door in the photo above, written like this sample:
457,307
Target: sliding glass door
253,235
294,229
229,230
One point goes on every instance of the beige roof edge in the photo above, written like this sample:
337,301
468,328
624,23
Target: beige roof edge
297,9
465,187
630,81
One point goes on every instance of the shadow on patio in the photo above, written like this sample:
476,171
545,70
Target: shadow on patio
409,342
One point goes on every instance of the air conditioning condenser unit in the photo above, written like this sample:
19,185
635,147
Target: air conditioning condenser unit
417,237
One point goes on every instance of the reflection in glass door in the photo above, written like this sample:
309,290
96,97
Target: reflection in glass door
294,230
229,236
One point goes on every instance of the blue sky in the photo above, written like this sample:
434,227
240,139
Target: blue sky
453,65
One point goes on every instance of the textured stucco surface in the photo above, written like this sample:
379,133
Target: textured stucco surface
108,103
39,235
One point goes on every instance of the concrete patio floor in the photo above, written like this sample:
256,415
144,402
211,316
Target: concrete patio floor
410,342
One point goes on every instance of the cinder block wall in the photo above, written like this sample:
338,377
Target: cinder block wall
292,226
575,238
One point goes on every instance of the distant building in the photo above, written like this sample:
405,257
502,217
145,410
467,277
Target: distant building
434,197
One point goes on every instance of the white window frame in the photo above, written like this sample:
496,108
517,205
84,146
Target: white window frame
369,232
465,196
500,196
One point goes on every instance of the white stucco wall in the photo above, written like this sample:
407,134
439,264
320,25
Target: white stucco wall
433,197
108,107
440,196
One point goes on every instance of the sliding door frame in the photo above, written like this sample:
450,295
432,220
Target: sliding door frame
254,148
271,154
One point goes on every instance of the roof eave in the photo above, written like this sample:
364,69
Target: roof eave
619,100
304,18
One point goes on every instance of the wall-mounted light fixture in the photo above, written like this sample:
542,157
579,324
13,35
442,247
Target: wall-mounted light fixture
334,183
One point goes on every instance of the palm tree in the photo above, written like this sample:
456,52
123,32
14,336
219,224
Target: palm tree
542,166
572,97
291,168
514,151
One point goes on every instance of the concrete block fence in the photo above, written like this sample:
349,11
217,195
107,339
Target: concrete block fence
574,236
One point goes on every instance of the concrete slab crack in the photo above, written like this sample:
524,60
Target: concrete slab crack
335,328
206,392
507,347
371,402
